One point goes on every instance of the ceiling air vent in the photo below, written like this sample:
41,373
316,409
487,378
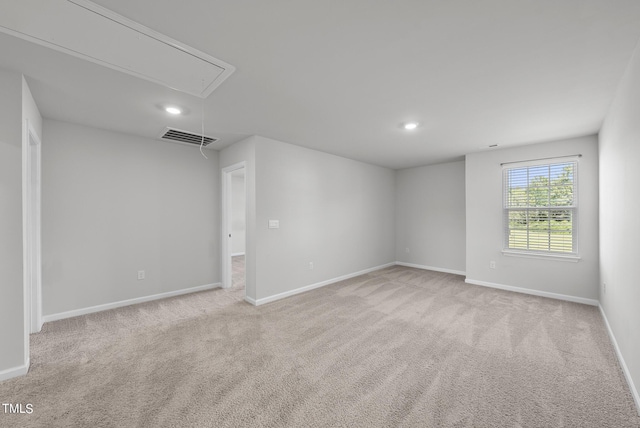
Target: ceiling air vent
178,136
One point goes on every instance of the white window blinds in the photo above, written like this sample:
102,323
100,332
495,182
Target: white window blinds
540,207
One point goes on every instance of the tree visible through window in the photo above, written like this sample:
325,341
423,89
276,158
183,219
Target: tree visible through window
540,208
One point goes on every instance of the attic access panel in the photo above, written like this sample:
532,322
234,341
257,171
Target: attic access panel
90,32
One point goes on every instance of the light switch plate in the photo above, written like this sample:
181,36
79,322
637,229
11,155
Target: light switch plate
274,224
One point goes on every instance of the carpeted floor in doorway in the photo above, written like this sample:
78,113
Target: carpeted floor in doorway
396,347
237,271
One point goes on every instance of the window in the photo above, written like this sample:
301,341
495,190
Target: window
540,208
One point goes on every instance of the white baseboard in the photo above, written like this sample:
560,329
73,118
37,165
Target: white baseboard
250,300
623,364
121,303
437,269
237,254
557,296
14,372
275,297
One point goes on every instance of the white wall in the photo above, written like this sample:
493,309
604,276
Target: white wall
238,214
12,338
430,216
619,223
485,224
114,204
334,212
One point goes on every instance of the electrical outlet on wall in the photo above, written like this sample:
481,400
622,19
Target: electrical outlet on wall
310,265
604,287
406,250
141,274
492,264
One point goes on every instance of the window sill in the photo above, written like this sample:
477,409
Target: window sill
558,257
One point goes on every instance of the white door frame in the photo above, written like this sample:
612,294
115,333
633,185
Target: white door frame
31,235
227,272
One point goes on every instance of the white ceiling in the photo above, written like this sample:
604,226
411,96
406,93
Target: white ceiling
341,76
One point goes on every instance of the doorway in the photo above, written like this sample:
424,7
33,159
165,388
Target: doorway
234,227
31,176
238,228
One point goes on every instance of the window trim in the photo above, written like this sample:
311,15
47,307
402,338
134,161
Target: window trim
573,256
534,255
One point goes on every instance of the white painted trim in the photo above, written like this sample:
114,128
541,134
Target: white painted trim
31,243
623,364
548,294
541,256
31,230
437,269
26,233
121,303
250,300
237,254
14,372
275,297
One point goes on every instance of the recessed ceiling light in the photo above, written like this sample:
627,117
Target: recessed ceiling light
409,126
173,110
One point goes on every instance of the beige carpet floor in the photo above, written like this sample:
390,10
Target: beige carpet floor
397,347
237,271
